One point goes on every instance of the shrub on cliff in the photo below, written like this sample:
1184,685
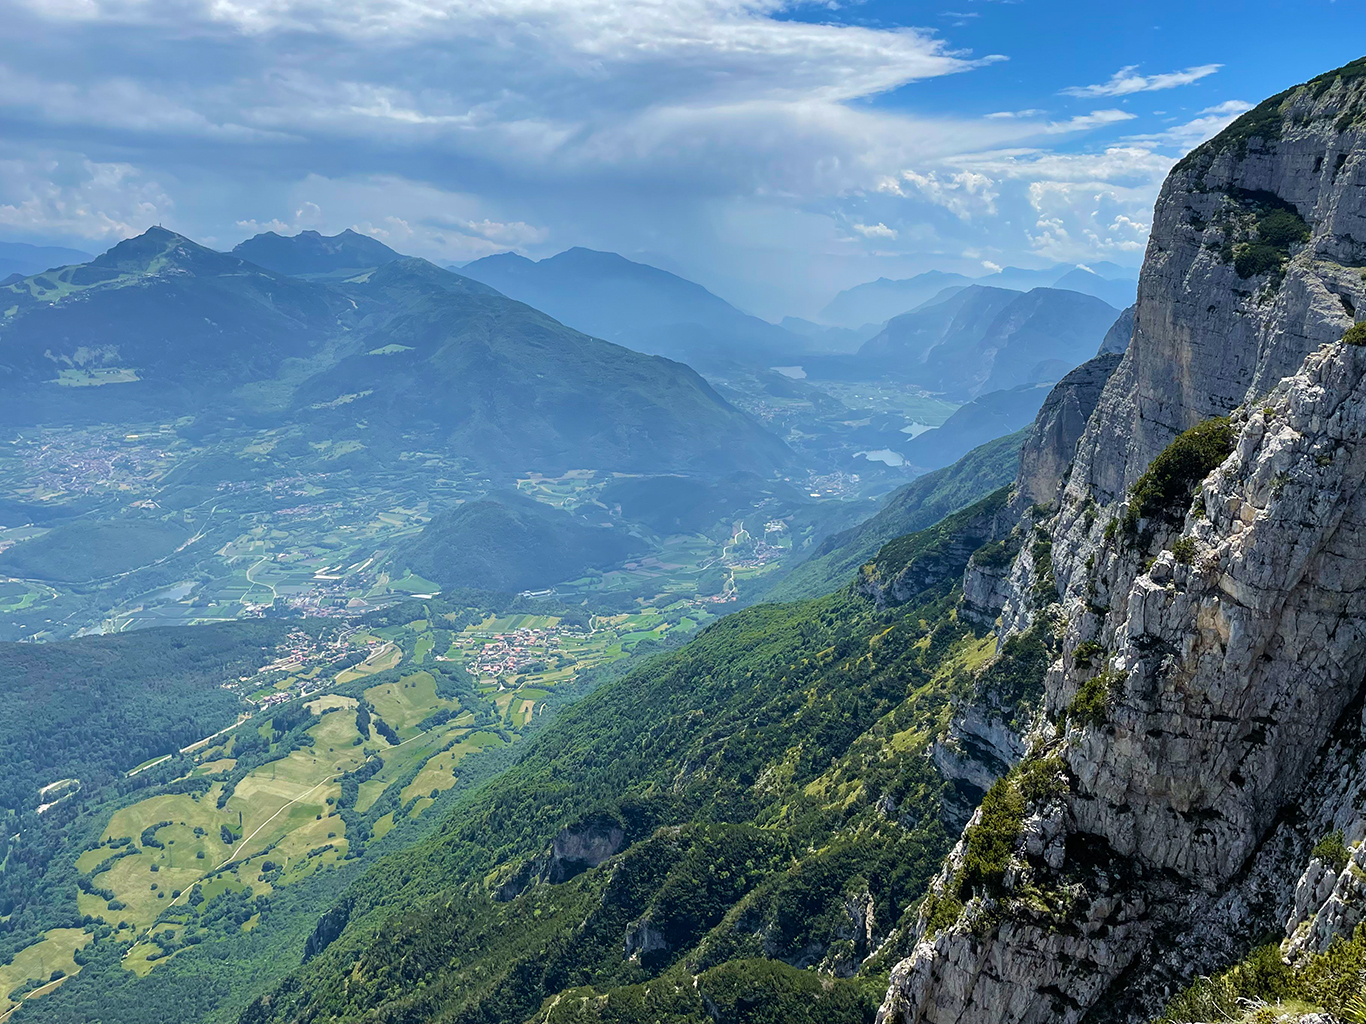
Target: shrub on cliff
1166,486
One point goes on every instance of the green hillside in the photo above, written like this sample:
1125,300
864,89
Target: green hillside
507,542
160,327
83,551
507,386
916,506
733,810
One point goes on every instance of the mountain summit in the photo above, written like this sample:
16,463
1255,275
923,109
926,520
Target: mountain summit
637,305
310,254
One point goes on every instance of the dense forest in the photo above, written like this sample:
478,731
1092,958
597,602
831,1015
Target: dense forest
95,707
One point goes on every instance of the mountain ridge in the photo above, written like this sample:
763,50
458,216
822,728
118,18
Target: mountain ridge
185,328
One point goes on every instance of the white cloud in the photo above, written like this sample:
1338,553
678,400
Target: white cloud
878,230
1210,122
1126,82
711,45
962,193
79,198
118,102
1085,122
414,217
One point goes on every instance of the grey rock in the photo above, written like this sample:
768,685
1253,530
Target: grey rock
1116,339
1232,666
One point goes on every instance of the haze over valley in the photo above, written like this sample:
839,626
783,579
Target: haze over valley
582,513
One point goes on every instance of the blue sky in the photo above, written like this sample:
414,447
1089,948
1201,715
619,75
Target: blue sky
775,152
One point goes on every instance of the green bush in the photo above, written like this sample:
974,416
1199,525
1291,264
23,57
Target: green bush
1082,656
1356,334
991,841
1166,486
940,912
995,554
1263,975
1043,778
1091,705
1254,258
1332,850
1330,981
1282,227
1184,550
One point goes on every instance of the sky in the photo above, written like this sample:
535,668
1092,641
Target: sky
774,152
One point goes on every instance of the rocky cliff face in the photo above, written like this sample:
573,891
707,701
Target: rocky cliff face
1047,453
1210,648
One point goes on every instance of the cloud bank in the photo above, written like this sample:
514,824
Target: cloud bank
760,150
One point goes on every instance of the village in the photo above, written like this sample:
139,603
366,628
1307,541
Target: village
494,654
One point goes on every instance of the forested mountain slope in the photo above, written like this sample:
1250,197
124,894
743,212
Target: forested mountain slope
755,804
160,325
914,506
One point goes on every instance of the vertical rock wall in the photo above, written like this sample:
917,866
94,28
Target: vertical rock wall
1212,670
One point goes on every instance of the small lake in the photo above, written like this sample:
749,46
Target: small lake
795,372
916,429
177,593
884,455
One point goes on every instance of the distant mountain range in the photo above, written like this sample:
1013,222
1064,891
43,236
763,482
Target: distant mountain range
969,341
161,326
880,300
641,307
312,255
24,259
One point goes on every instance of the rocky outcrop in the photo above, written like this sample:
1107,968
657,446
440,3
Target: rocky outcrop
1047,453
912,564
1116,339
580,847
1210,649
986,586
978,747
329,926
576,849
643,938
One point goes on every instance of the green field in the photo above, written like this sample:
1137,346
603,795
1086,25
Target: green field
39,961
283,824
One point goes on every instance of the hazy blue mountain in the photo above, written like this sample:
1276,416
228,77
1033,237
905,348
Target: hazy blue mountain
880,300
510,542
174,323
24,259
987,417
957,319
642,307
310,254
981,339
829,339
161,326
1037,338
1118,292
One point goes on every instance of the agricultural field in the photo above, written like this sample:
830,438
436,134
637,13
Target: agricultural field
273,523
332,756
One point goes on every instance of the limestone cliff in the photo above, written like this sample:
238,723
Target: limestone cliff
1210,647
